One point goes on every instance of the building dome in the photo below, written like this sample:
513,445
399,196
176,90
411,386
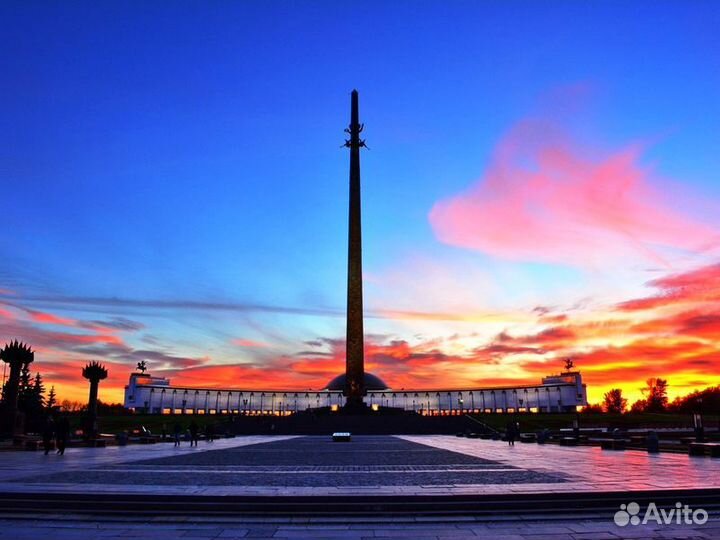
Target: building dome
372,382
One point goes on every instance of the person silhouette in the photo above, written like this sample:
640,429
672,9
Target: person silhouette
511,433
48,433
62,433
194,429
177,429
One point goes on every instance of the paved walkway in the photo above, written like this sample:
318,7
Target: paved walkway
591,468
346,529
407,465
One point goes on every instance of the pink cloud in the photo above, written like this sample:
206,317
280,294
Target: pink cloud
49,318
545,199
693,287
240,342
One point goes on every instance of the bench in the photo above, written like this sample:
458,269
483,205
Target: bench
527,437
612,444
341,436
700,449
568,441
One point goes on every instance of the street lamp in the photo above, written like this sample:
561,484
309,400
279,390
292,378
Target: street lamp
698,421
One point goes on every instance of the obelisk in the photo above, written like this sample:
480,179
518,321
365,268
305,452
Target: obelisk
354,354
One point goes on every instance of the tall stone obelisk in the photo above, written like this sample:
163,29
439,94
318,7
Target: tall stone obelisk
354,354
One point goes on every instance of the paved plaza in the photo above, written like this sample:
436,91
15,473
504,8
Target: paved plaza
400,466
377,465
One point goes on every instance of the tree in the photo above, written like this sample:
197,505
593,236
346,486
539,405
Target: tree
51,399
699,400
25,387
38,392
71,406
656,392
592,408
639,406
614,401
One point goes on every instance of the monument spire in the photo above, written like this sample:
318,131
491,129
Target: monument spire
354,353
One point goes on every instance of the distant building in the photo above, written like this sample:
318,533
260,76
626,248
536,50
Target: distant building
556,393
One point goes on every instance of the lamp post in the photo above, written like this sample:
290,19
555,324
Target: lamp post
698,421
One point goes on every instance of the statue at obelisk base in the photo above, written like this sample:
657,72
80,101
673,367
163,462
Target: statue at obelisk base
354,354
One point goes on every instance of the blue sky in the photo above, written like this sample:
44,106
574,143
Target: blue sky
191,152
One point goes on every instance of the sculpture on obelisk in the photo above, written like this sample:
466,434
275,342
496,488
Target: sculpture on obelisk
354,354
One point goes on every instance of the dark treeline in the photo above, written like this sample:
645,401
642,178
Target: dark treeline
656,400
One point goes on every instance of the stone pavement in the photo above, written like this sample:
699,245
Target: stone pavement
398,466
592,468
404,465
458,528
313,462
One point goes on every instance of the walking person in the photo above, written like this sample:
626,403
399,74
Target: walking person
510,433
194,430
209,433
62,433
48,434
177,429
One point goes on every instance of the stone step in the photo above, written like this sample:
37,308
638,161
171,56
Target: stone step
490,506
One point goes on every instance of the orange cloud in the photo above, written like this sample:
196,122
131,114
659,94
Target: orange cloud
545,199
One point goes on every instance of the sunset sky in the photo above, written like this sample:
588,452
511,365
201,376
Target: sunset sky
542,182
